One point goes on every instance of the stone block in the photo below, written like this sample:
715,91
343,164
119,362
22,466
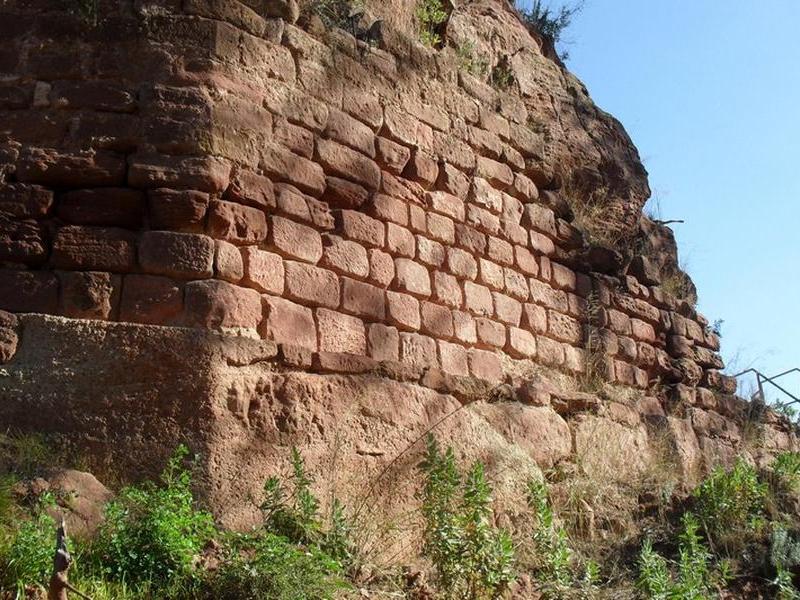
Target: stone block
177,255
151,300
236,223
485,365
343,162
507,309
346,130
344,256
228,262
340,333
418,350
216,304
381,268
177,210
89,295
341,193
23,200
285,322
206,174
52,168
521,343
430,252
363,300
383,342
478,299
357,226
94,249
454,358
412,277
391,156
308,284
114,207
263,270
400,241
295,240
28,291
436,320
491,334
402,310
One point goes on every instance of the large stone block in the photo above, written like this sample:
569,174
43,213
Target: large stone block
177,255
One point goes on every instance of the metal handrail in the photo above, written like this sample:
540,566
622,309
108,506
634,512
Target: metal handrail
761,379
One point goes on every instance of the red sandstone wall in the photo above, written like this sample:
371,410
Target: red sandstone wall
204,166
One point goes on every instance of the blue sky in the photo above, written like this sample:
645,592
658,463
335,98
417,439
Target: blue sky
709,91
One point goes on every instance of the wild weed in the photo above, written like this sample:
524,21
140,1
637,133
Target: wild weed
473,559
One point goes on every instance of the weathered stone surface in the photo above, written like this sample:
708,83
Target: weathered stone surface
177,255
214,304
94,248
152,300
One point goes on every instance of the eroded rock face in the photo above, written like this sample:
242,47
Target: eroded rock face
242,403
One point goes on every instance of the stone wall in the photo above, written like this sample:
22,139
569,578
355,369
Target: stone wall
255,235
208,167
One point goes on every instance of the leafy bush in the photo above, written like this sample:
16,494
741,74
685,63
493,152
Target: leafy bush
431,15
787,470
727,500
26,553
152,533
270,566
472,559
296,515
550,541
696,580
469,61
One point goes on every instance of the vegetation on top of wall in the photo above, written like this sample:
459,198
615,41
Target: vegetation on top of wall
550,23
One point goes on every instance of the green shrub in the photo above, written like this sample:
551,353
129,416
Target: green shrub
296,515
787,469
472,558
431,15
26,551
728,501
469,61
696,580
152,533
270,566
554,556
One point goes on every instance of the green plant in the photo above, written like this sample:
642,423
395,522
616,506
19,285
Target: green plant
336,13
24,455
26,553
553,554
502,75
431,15
654,580
153,533
728,501
550,23
296,516
468,60
784,586
695,578
787,469
473,560
270,566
